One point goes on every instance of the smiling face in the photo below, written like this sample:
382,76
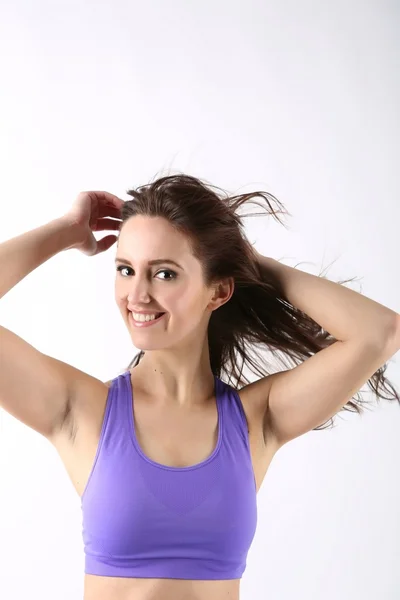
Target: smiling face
178,291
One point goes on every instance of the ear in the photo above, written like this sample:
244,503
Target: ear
222,293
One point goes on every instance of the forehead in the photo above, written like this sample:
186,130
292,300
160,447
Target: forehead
147,238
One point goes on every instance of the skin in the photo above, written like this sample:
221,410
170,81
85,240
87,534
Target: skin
176,367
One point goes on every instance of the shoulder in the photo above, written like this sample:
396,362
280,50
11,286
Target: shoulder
255,404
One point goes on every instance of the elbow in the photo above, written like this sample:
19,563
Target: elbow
396,333
388,337
391,339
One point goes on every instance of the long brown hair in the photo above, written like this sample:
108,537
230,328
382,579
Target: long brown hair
257,315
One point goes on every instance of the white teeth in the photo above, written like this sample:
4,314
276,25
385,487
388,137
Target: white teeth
142,318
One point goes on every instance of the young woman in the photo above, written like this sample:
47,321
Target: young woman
168,457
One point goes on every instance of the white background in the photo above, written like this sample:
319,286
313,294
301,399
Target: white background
296,98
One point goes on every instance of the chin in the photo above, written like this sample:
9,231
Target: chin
148,346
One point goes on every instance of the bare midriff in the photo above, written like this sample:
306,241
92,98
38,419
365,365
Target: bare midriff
118,588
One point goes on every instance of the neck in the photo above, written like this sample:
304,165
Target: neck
176,382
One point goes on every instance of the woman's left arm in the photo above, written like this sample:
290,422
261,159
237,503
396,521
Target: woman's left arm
344,313
297,400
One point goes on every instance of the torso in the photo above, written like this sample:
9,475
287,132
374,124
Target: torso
169,439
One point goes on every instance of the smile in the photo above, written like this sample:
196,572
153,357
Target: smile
146,323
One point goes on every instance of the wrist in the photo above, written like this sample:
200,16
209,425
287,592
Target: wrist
71,232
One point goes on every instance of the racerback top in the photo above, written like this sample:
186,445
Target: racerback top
144,519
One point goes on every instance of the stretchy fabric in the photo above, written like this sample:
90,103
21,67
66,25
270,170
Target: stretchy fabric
144,519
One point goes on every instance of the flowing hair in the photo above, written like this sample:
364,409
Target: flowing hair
258,316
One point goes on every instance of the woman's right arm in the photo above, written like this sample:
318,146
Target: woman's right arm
33,386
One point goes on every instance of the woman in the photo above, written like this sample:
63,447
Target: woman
167,457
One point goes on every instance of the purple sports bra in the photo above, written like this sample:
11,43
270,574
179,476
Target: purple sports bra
144,519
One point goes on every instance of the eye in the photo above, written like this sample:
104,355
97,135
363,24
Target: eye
120,267
172,273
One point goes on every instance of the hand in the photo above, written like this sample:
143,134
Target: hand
89,213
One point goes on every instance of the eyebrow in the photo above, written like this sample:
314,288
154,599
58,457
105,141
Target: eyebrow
150,262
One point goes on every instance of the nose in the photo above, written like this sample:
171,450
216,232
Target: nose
138,293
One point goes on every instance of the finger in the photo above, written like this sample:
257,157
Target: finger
103,224
113,200
105,210
109,198
106,243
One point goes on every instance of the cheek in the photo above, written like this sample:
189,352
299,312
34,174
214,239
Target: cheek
188,298
191,308
184,305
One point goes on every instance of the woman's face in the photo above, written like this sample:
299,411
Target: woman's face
177,290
